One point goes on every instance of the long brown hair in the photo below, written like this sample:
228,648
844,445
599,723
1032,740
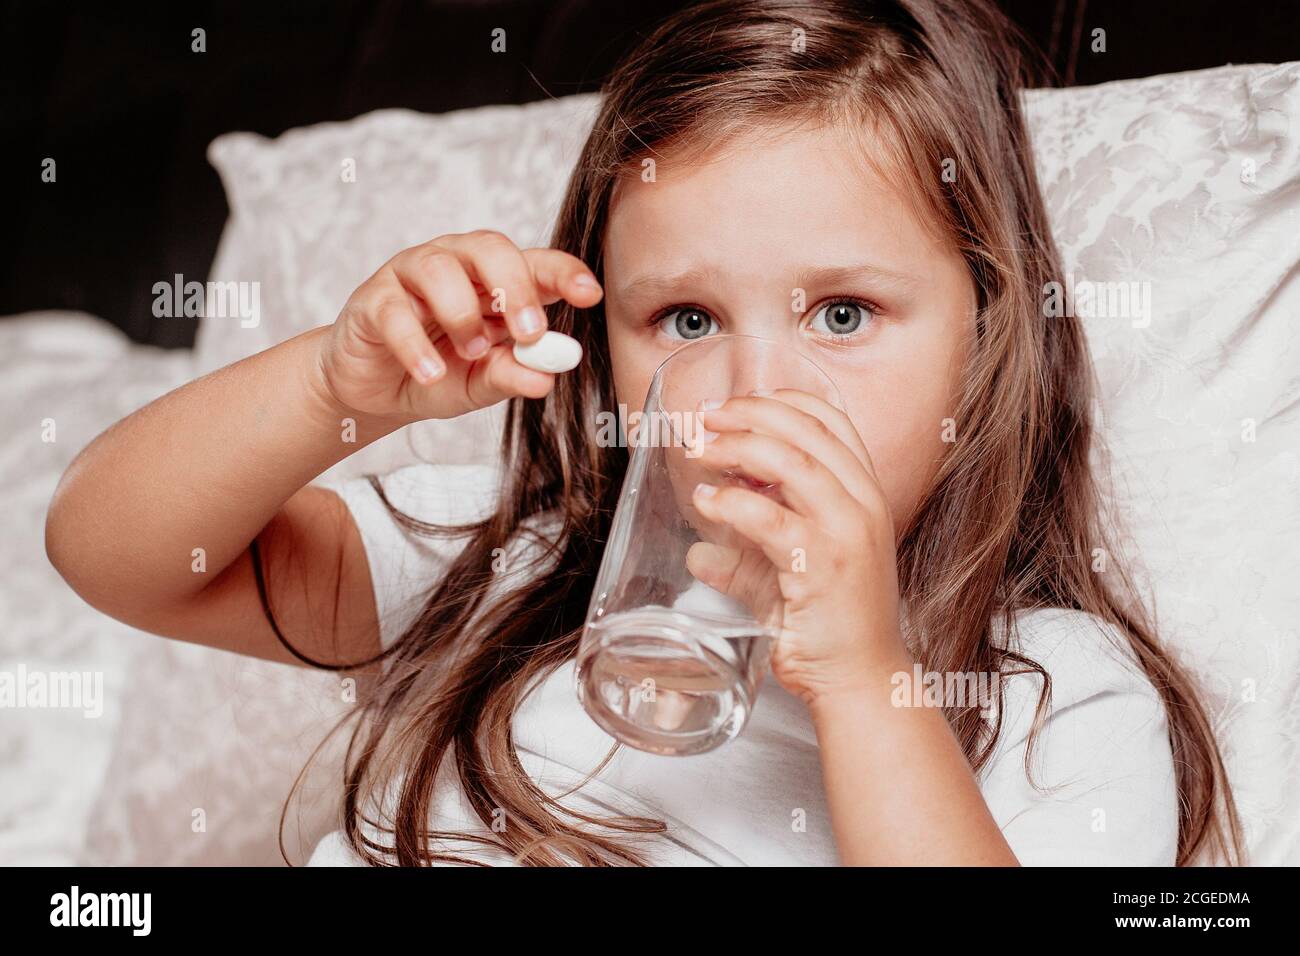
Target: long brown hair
1011,521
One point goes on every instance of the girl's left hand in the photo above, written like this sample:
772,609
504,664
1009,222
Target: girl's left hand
829,540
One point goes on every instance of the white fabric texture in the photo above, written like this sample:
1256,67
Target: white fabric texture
1104,746
64,377
1190,182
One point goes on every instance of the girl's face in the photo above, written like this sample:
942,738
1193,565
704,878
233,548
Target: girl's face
796,238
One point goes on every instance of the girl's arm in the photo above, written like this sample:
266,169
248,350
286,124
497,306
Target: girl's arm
153,521
900,789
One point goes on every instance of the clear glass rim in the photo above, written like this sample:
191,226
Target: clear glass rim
656,381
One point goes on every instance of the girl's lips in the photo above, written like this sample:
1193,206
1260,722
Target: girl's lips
739,477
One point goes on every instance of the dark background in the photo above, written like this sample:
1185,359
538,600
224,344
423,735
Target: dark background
114,94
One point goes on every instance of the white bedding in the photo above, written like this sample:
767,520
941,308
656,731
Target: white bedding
184,728
1190,183
84,375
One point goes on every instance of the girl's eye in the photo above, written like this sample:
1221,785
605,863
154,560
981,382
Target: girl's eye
843,316
687,323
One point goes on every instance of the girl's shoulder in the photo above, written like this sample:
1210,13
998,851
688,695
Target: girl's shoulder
1081,652
407,562
1093,677
434,492
1101,750
1095,684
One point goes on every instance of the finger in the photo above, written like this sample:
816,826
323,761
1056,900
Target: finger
499,376
806,485
437,280
741,573
559,275
499,267
832,417
395,323
798,428
775,530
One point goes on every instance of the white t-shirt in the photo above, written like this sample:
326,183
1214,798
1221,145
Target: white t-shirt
759,799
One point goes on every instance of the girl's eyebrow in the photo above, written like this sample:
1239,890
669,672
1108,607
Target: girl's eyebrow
659,286
837,275
656,286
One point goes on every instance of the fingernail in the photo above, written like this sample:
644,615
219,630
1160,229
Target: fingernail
477,346
709,404
529,320
698,442
586,279
428,370
705,490
701,438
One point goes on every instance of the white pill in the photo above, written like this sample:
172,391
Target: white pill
553,352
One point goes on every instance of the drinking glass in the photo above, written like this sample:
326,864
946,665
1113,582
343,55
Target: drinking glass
666,663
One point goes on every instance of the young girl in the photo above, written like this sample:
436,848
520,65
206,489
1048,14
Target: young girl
854,181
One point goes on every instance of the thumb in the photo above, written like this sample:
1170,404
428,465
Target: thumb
744,574
498,375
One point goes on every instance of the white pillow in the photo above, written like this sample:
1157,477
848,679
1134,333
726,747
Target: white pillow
318,210
1146,180
1191,183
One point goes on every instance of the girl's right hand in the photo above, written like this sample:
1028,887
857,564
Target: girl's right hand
426,337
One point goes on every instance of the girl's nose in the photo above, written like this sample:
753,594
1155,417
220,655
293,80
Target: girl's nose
772,360
760,366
